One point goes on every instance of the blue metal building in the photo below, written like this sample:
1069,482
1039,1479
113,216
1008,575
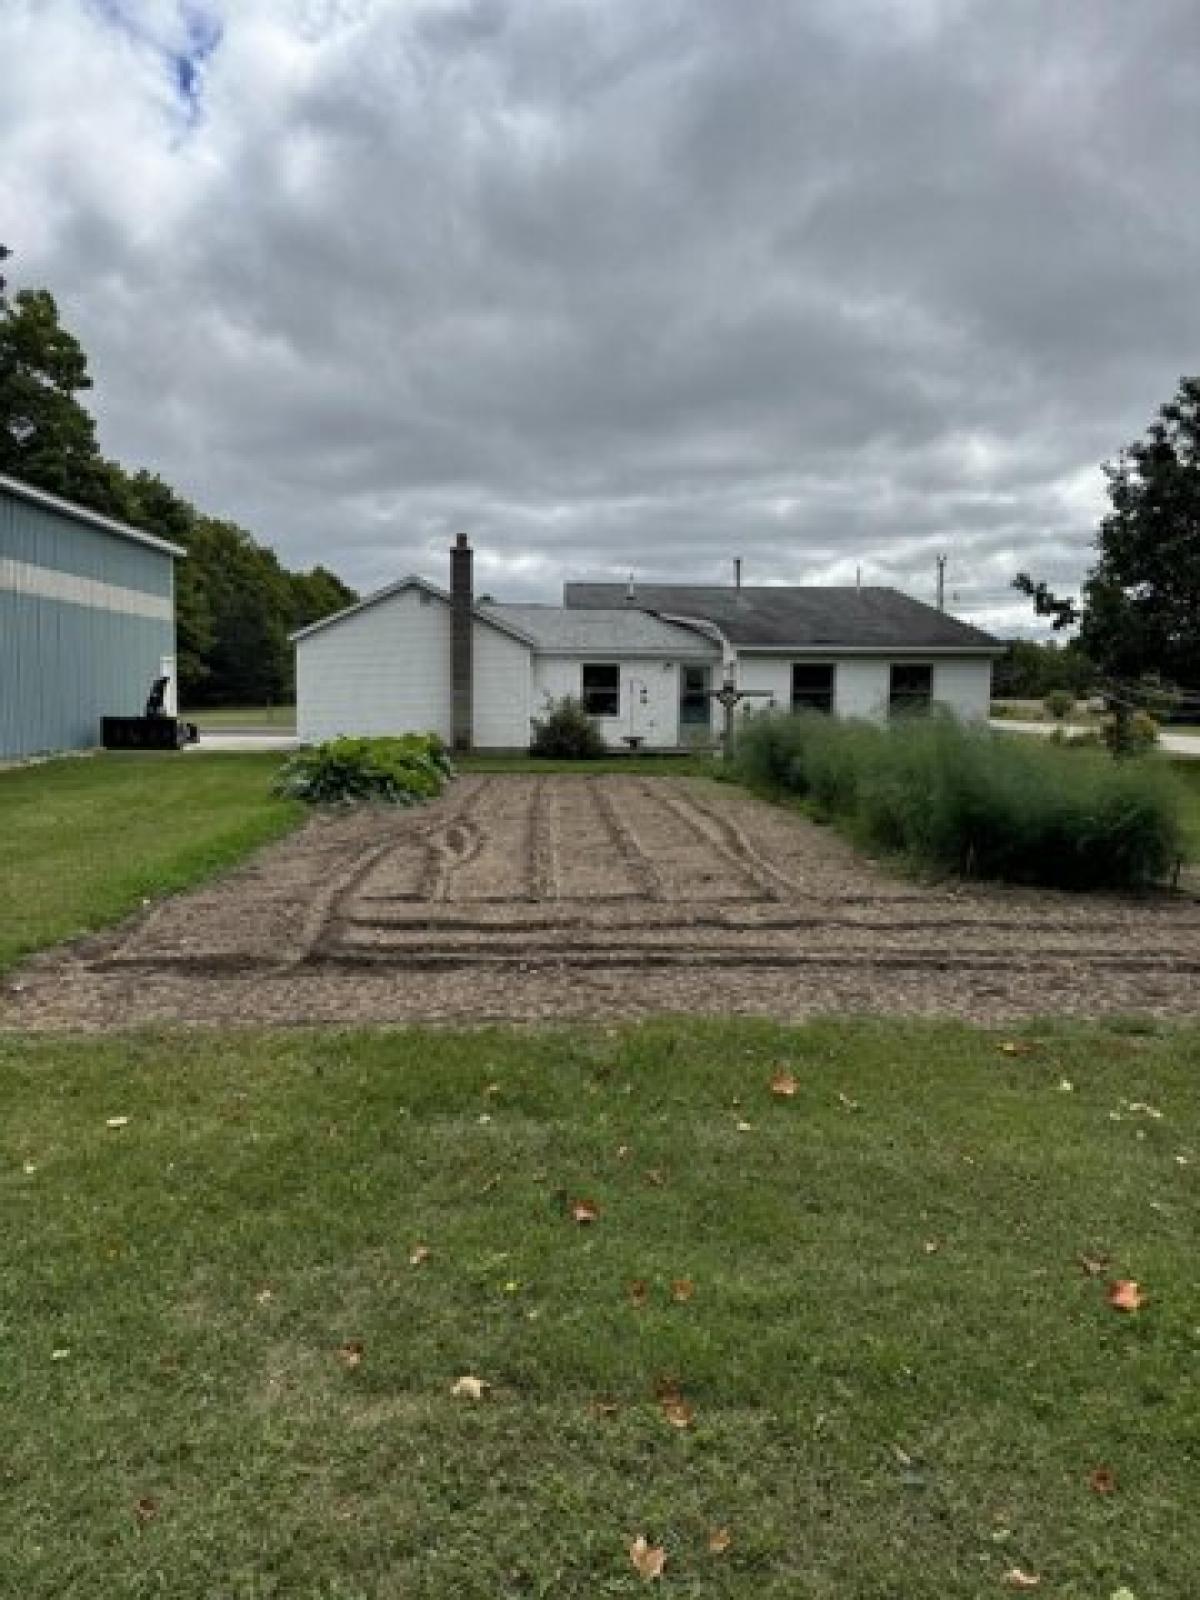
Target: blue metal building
87,620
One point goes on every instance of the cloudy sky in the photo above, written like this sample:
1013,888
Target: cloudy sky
621,284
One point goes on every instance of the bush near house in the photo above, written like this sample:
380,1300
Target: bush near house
566,733
395,771
963,800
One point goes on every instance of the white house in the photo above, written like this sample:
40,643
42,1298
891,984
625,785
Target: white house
645,660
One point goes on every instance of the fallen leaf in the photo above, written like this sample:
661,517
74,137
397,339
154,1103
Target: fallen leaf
1141,1107
351,1353
1180,1161
745,1127
31,1167
719,1541
848,1104
648,1559
622,1152
604,1408
265,1296
1125,1295
678,1413
655,1177
639,1291
145,1509
1102,1481
584,1212
1015,1578
491,1089
419,1255
117,1122
783,1085
1065,1085
932,1246
1016,1047
1094,1266
59,1355
484,1119
682,1290
469,1388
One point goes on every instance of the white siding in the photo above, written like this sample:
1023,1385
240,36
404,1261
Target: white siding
386,669
863,687
862,684
502,673
657,721
965,687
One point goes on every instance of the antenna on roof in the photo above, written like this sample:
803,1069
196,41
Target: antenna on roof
941,583
630,594
858,579
737,572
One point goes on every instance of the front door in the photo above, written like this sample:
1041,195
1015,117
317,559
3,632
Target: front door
695,706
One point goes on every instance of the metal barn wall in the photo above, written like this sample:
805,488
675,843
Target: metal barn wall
86,617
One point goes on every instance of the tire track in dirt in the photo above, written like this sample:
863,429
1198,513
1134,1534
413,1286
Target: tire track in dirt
726,839
625,841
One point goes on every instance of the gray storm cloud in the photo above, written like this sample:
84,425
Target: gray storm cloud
619,286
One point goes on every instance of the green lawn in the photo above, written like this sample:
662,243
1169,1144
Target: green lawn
278,719
222,1376
83,842
1189,776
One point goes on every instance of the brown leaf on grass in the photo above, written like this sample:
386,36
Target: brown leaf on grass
490,1090
678,1413
655,1177
469,1387
584,1212
1094,1266
351,1353
745,1127
846,1103
1017,1047
719,1541
265,1296
1124,1294
145,1509
1102,1481
783,1084
932,1246
1017,1578
604,1408
648,1559
117,1122
682,1290
622,1152
419,1255
639,1292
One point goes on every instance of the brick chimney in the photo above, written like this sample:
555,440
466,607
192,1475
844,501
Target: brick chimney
462,601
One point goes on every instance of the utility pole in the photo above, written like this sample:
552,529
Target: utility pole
941,583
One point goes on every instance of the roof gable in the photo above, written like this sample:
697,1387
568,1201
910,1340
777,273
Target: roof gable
480,613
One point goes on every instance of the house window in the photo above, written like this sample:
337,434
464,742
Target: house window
812,686
911,688
601,689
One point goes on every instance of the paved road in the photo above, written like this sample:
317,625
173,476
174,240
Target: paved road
1176,744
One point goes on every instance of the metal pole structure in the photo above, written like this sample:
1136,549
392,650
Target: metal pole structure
941,583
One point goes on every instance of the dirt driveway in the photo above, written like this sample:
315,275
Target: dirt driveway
617,896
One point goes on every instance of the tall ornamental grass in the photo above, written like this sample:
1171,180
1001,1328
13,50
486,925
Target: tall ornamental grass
965,800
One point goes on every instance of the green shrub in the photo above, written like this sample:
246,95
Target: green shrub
1059,703
565,732
964,800
393,771
1129,733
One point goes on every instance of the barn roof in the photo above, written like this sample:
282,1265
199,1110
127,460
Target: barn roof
795,618
67,508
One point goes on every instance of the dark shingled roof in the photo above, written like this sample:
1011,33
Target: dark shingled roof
796,618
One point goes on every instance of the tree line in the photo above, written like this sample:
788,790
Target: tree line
235,601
